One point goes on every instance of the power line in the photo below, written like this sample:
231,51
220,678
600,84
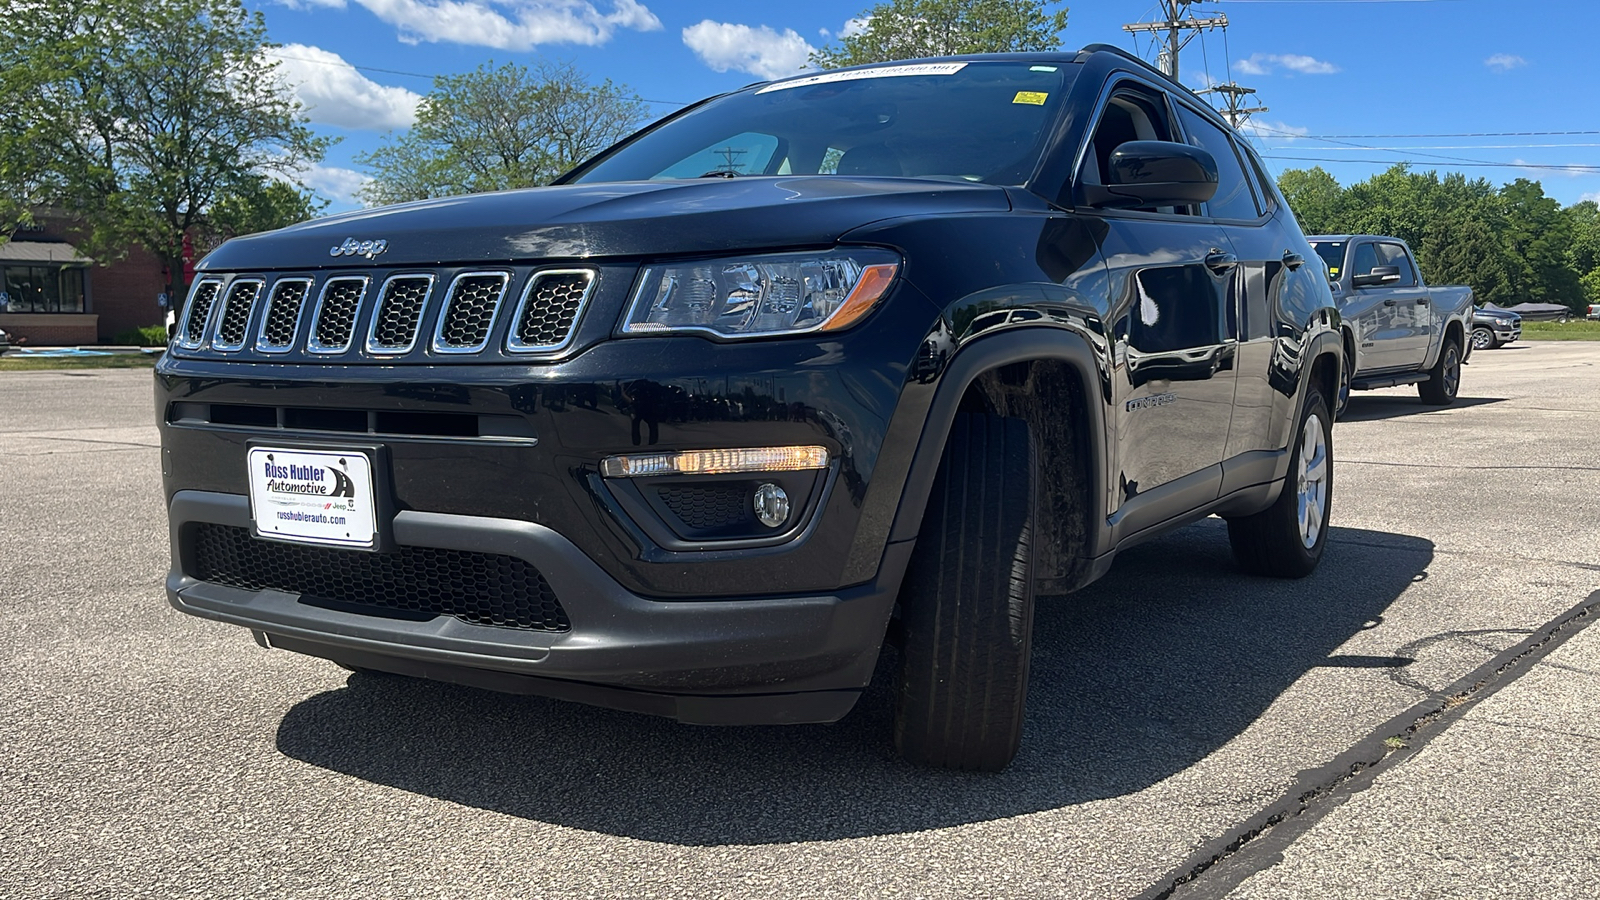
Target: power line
1460,134
1477,165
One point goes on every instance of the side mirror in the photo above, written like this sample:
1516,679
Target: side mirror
1155,173
1378,276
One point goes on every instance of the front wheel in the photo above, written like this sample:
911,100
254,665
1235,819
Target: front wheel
1285,540
967,603
1444,379
1483,339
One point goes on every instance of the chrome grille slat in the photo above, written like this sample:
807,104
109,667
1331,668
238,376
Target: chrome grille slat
198,313
398,316
234,321
469,312
547,316
282,322
337,310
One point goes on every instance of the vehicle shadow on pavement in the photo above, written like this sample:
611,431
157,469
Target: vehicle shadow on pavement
1375,408
1137,677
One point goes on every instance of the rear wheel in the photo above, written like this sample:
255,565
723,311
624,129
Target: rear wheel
1347,374
1444,379
1286,539
1483,339
967,603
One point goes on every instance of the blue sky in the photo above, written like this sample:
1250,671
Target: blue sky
1348,82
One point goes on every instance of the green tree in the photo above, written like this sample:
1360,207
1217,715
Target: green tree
1316,198
1537,235
265,205
493,129
139,115
909,29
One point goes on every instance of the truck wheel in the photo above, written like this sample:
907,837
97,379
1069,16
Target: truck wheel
967,603
1285,540
1483,339
1444,379
1347,374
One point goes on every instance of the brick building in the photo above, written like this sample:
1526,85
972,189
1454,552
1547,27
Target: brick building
55,295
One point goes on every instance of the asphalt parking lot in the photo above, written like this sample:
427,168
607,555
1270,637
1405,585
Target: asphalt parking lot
146,753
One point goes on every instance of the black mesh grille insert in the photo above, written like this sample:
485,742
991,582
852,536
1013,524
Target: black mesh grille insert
399,311
469,314
194,329
709,507
341,300
283,313
236,307
551,309
480,588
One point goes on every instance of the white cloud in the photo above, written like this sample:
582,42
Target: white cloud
1265,63
1587,197
1505,62
761,51
310,4
334,93
509,24
334,183
850,28
1546,169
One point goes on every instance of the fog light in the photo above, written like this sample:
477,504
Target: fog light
772,505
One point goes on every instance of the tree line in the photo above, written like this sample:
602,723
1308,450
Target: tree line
1511,244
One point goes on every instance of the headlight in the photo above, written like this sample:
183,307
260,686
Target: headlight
761,296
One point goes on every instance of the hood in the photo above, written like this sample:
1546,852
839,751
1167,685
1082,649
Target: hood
588,221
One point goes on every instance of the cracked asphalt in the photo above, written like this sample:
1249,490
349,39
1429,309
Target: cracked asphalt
146,753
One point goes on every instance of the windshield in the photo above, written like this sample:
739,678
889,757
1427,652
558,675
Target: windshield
1332,253
972,121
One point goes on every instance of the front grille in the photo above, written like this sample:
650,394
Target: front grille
710,507
549,309
282,322
194,327
336,314
479,588
442,314
469,311
235,319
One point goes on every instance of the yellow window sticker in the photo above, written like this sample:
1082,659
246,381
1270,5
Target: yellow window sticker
1032,98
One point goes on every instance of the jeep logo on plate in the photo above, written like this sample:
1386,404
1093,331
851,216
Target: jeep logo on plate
353,247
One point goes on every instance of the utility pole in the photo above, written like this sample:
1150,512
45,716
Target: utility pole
1234,95
1177,28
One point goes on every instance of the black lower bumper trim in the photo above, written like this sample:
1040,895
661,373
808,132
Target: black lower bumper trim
802,708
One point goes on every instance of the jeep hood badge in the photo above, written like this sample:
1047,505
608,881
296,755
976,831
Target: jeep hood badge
353,247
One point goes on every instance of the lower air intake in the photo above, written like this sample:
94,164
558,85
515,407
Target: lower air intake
479,588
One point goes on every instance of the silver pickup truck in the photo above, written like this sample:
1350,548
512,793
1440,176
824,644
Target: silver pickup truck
1397,330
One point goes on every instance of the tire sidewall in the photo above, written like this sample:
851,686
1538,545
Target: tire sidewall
1315,404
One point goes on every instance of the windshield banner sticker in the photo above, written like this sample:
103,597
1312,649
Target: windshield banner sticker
874,72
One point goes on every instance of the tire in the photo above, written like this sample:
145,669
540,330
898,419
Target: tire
1483,339
1277,541
967,603
1444,379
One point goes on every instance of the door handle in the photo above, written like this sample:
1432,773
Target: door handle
1293,260
1422,301
1217,261
1389,302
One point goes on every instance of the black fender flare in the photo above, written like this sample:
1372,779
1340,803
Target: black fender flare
965,366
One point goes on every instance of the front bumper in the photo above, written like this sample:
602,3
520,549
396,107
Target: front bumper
725,661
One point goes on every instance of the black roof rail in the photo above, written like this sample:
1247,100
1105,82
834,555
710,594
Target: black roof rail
1118,51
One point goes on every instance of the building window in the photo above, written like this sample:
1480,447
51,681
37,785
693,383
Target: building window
43,289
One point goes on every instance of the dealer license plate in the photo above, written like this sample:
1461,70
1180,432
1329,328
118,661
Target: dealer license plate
313,496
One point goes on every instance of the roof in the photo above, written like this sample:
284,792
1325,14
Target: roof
42,252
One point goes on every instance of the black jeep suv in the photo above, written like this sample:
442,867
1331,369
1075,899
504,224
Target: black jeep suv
874,353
